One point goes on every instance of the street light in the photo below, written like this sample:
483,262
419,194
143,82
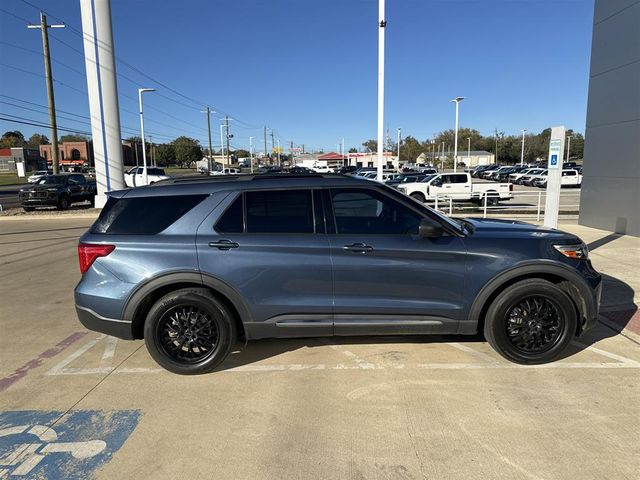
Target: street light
145,177
469,151
522,152
457,101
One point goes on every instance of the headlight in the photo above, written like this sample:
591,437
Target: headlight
577,251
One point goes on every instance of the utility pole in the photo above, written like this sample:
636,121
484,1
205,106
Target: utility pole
49,79
496,130
208,112
273,144
226,124
399,146
278,152
151,151
568,147
291,162
265,141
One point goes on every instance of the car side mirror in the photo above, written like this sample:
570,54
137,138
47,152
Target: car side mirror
429,229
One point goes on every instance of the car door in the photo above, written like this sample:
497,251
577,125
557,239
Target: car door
270,248
387,279
75,189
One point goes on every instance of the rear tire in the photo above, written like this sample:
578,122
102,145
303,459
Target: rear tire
418,196
492,199
530,322
28,209
189,331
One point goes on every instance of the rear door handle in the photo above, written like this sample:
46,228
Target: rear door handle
358,248
224,244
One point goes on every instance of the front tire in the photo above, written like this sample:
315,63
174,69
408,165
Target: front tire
28,209
63,203
530,322
189,331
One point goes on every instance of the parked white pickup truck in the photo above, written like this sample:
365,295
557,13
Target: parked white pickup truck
135,176
457,186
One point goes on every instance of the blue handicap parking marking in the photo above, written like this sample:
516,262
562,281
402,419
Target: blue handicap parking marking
73,448
554,159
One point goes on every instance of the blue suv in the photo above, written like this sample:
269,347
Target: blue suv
194,264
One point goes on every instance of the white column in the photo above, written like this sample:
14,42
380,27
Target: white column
381,26
554,176
522,152
103,96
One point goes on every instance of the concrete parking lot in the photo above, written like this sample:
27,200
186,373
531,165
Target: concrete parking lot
357,408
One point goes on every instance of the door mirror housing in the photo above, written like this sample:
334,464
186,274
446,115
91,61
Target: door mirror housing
429,229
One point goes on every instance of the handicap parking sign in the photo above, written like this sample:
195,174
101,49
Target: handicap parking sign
35,444
554,160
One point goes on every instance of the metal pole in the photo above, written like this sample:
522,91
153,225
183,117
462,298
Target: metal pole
484,215
209,129
226,124
221,141
273,144
568,147
382,23
469,151
251,153
399,138
441,158
144,147
457,101
278,152
539,204
522,152
50,96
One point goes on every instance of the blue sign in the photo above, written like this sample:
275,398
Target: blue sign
554,160
35,444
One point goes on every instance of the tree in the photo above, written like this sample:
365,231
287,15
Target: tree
371,145
36,140
353,150
240,153
73,138
165,154
187,151
12,139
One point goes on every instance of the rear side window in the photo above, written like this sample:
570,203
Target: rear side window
143,215
284,211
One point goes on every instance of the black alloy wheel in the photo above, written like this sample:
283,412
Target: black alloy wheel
188,333
534,324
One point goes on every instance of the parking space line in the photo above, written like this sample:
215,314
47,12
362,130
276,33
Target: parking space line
60,367
109,351
472,351
605,353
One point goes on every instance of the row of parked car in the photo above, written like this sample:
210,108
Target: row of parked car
534,175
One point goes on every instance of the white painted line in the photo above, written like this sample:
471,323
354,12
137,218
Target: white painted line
109,352
604,353
140,370
58,369
475,353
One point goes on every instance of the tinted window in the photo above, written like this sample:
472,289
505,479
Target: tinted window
286,211
232,220
143,215
154,171
458,179
53,180
369,212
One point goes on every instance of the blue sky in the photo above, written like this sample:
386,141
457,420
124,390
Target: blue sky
308,68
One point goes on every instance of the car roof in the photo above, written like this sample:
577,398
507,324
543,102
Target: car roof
200,184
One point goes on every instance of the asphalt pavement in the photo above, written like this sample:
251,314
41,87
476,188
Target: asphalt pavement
77,404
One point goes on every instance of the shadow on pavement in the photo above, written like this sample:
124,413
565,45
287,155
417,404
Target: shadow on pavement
603,241
617,297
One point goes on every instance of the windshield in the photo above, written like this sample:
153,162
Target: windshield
427,179
52,180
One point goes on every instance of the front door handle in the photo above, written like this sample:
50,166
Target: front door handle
224,244
358,248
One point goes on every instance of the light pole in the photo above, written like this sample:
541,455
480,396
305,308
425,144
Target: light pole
457,101
522,151
399,129
441,158
208,111
278,152
433,152
221,141
144,148
469,151
382,23
251,153
568,147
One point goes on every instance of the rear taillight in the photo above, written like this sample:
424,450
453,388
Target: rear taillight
87,254
511,187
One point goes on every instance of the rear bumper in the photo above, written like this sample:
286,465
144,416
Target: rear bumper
110,326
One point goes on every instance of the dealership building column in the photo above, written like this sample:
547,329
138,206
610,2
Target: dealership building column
103,96
610,197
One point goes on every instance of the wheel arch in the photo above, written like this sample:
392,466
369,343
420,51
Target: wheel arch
141,300
563,276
